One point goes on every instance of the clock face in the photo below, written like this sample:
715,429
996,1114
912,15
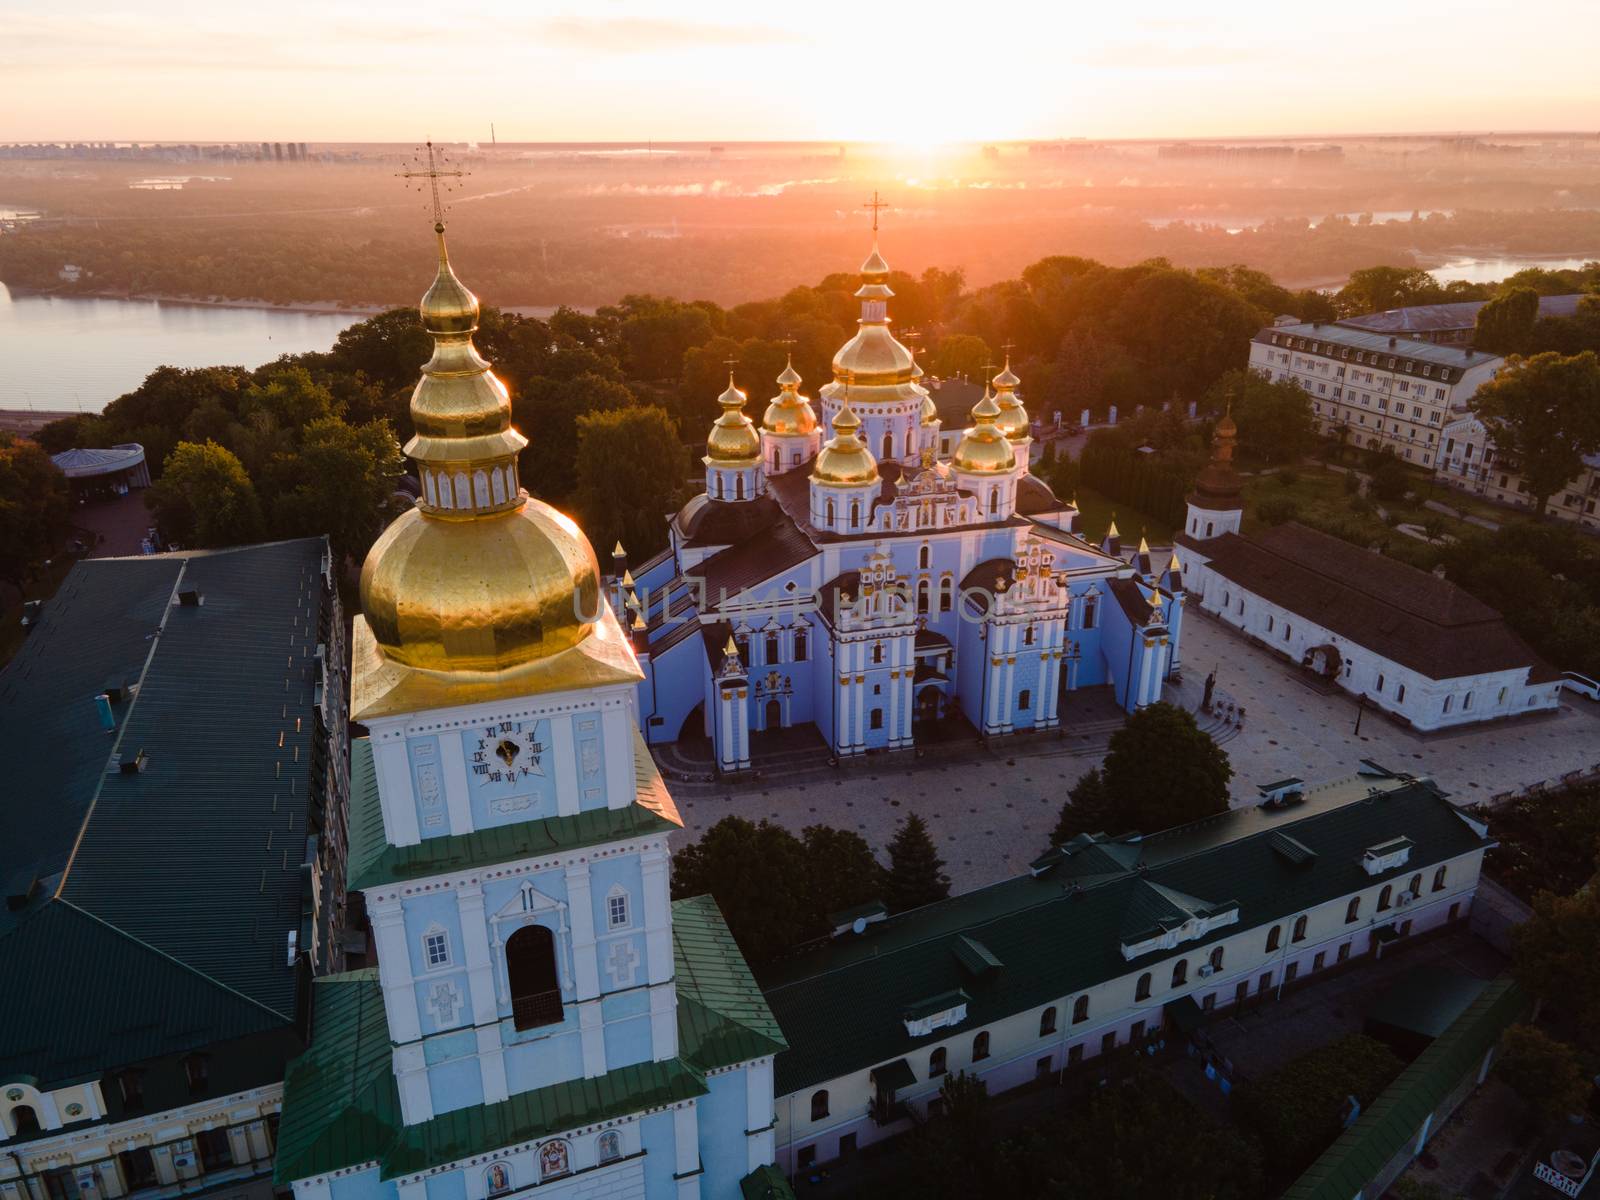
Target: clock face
507,755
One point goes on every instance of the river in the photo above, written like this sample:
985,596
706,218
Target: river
78,354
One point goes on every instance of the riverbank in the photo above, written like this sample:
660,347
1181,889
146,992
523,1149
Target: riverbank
312,307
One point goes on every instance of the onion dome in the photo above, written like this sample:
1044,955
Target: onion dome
733,439
983,449
845,459
873,358
789,412
1013,419
479,590
1216,488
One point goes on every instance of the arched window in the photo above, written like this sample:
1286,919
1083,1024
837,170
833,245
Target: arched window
738,487
1299,930
1275,938
1384,896
1180,972
1216,958
1208,528
531,971
1438,880
819,1104
994,501
877,652
936,1063
1352,910
855,514
830,513
1142,991
771,647
888,446
1027,635
1024,699
922,595
1080,1010
922,558
1415,886
911,443
24,1120
947,593
608,1146
980,1047
1047,1022
800,645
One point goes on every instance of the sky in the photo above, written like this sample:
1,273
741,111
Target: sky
732,70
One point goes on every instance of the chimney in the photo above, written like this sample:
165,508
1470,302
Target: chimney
191,598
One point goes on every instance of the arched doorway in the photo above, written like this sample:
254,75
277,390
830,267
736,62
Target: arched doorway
774,714
1324,660
929,704
533,978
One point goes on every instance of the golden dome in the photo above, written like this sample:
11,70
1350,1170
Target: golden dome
983,449
479,591
845,459
733,440
874,268
873,359
1013,419
789,412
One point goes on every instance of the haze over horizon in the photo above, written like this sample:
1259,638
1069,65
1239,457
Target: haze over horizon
889,72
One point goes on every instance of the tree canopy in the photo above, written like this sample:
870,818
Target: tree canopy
1274,417
34,509
1543,414
916,872
205,498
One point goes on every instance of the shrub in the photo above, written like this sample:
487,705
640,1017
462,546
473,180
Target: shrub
1390,481
1275,510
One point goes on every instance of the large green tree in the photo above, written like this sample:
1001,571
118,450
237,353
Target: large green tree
963,355
630,475
1505,324
548,410
1544,1071
916,872
339,482
1160,770
1556,956
757,872
34,509
1543,414
841,872
1275,421
205,498
1376,289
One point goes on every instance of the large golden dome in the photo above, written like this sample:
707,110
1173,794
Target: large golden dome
789,412
983,449
877,366
480,592
1013,419
845,459
733,440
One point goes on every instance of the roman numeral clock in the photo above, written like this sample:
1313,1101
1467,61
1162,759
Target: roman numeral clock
506,769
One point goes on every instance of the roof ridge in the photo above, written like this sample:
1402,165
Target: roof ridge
212,552
178,962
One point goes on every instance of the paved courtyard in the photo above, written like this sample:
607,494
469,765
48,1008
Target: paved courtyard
991,809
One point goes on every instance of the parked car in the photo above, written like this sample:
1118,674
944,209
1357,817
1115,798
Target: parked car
1581,684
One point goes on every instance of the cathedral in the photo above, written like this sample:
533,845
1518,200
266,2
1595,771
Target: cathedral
838,572
542,1014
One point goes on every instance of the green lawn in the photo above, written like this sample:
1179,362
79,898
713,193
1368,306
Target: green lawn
1320,499
1097,512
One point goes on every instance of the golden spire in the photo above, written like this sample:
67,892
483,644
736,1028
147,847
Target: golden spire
479,592
733,440
877,364
983,449
789,412
846,459
1013,419
1112,531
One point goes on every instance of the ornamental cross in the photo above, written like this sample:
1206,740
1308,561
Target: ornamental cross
1008,348
875,204
433,174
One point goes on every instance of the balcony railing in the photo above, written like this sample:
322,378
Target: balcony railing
536,1009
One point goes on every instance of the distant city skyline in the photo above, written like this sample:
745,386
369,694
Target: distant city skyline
827,71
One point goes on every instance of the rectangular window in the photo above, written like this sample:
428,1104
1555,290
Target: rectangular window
216,1153
1075,1055
1241,992
1290,972
1317,959
1136,1032
1264,984
437,946
617,911
1041,1069
1344,951
800,645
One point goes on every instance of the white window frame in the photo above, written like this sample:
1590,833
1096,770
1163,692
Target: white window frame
443,935
618,893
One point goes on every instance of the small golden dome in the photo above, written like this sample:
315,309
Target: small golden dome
1007,378
733,439
1013,419
874,269
983,449
845,459
448,307
789,412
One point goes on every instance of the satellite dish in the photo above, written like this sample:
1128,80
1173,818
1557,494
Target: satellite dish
859,925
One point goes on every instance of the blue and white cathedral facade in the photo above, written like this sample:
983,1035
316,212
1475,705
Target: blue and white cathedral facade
837,572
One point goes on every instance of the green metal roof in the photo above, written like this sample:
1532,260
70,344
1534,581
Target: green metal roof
975,956
841,1005
374,862
341,1107
1352,1162
187,875
1426,1000
765,1183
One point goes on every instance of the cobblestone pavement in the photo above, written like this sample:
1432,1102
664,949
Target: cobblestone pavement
990,809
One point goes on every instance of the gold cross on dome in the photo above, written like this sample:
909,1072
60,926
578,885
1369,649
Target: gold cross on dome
1008,347
875,205
433,174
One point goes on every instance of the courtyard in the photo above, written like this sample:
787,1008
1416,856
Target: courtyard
991,808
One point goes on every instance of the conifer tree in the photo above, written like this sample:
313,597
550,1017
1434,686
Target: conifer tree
916,872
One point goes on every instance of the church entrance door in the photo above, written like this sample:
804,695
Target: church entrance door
928,704
774,715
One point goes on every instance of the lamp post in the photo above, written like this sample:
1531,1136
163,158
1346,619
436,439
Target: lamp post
1361,707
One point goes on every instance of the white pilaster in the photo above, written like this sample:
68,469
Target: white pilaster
394,793
492,1064
475,952
394,973
564,762
453,771
411,1073
663,1023
592,1033
618,731
686,1139
580,912
657,886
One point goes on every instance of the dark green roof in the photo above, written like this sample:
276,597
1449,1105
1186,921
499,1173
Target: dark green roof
186,876
374,862
841,1005
722,1016
765,1183
1393,1120
341,1107
1426,1000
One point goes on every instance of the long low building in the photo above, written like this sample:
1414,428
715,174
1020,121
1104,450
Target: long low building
1104,945
1450,324
172,846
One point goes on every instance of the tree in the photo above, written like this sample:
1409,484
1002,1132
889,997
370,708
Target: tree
1505,324
205,498
1160,770
1543,415
841,871
916,872
758,875
34,509
630,473
549,409
1274,418
1543,1071
388,349
340,482
1555,954
1390,480
963,355
1375,289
